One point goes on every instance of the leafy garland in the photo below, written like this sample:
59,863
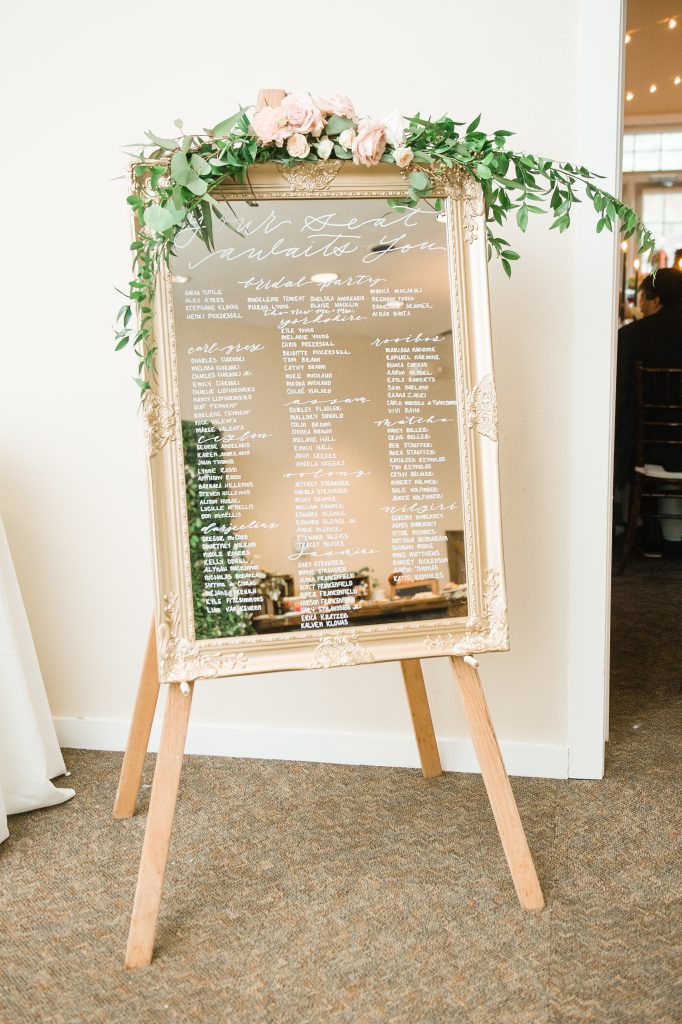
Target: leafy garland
174,180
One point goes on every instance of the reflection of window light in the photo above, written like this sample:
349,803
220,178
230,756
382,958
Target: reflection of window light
324,278
652,151
394,304
179,279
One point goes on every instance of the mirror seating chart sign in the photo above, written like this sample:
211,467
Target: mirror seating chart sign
321,426
322,430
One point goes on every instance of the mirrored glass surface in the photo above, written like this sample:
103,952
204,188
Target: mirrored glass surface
319,413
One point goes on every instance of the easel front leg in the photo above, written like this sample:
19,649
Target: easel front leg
159,823
140,730
421,718
499,790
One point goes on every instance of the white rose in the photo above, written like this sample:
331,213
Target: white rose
346,138
403,156
324,148
297,145
394,128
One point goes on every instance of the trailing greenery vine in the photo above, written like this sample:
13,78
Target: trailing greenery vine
174,180
207,623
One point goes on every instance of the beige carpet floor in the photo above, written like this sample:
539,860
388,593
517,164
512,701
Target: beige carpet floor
309,894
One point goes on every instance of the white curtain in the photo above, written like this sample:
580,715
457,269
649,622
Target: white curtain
29,752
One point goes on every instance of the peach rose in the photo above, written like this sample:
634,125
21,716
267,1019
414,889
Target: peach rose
270,125
369,143
346,138
324,148
297,145
403,156
302,114
337,104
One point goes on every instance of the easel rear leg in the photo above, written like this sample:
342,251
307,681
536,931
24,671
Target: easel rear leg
140,730
421,718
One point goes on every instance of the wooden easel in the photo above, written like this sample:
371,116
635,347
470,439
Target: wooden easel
171,748
169,762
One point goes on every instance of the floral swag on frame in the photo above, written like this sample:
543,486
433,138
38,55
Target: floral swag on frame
174,180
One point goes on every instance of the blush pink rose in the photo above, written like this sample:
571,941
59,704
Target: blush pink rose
302,114
297,145
403,156
369,143
270,125
337,104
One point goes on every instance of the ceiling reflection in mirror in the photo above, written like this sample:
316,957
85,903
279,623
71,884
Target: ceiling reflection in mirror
316,379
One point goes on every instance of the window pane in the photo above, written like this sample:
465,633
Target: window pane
648,142
672,160
652,206
671,140
647,162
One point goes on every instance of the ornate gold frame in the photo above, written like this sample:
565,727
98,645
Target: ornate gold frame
181,657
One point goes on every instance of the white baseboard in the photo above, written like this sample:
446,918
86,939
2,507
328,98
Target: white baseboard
535,760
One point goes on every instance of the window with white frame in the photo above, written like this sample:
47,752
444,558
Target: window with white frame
652,151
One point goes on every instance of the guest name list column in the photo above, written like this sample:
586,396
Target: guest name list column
321,478
223,387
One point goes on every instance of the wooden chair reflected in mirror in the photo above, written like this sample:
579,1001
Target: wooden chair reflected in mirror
657,475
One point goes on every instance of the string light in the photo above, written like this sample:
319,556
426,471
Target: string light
677,80
629,96
653,88
669,23
636,264
624,246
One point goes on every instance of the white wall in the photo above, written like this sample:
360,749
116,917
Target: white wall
88,78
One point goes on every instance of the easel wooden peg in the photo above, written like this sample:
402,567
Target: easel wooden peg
269,98
500,794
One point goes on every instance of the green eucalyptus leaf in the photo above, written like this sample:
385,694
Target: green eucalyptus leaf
336,125
162,143
197,185
199,164
419,181
223,128
157,218
180,169
341,153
